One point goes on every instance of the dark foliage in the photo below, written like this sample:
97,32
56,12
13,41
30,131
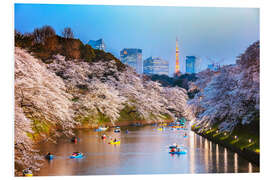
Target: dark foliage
87,53
44,44
164,80
23,40
181,81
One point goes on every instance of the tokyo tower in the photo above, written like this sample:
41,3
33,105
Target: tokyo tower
177,66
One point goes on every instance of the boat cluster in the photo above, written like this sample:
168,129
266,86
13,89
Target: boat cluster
178,124
112,141
174,149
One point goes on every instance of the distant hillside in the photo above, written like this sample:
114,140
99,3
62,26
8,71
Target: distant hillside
43,43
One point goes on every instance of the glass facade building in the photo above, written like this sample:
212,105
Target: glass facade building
133,58
155,66
192,64
98,44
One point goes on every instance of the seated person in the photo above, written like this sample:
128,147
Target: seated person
75,153
27,171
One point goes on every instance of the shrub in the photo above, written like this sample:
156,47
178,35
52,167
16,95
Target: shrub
23,40
87,53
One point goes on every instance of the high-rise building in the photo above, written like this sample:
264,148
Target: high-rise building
192,64
155,66
177,66
98,44
133,58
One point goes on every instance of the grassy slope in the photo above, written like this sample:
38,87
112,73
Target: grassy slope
237,141
128,114
242,141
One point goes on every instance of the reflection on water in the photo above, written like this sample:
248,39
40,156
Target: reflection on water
235,163
144,150
249,167
192,142
225,160
206,155
217,158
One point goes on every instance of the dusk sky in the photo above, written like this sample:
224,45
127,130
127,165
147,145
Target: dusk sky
217,33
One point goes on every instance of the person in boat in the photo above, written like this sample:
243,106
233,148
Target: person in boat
115,140
185,134
74,139
27,171
75,153
173,150
48,155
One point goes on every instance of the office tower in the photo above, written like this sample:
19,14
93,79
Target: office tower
155,66
133,58
98,44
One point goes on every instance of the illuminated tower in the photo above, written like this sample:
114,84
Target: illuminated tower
177,66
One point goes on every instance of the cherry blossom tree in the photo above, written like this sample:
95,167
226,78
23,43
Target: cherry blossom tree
40,101
229,97
63,93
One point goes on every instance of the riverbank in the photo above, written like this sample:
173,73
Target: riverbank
245,144
123,123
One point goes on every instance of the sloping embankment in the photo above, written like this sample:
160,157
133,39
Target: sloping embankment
229,141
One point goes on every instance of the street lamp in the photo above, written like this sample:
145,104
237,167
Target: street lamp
235,137
249,140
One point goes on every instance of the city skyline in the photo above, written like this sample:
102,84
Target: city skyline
219,33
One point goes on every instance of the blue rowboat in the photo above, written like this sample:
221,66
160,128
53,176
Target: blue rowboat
179,152
79,155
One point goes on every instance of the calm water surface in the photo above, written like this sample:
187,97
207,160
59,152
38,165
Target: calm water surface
144,150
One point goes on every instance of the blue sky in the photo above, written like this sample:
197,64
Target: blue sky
217,33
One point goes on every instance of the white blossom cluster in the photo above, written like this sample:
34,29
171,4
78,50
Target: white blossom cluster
230,96
39,96
101,88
